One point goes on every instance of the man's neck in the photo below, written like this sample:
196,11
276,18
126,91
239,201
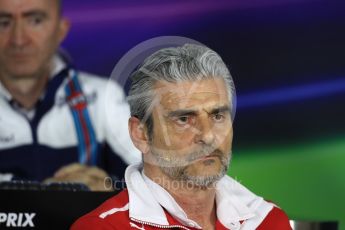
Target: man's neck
26,91
197,202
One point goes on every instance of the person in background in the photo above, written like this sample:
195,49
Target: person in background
53,118
182,109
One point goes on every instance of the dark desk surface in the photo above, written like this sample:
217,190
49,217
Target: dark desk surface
53,209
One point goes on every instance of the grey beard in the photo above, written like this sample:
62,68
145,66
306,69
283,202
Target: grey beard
176,169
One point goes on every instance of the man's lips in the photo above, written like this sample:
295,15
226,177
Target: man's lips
210,156
20,53
20,56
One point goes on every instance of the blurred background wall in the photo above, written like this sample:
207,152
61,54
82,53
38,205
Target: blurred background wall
287,58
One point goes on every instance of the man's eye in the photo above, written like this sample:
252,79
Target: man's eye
218,117
4,23
36,20
182,120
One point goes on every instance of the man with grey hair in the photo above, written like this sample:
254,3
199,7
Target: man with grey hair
181,102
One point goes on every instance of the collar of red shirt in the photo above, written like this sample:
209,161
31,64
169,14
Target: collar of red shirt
148,201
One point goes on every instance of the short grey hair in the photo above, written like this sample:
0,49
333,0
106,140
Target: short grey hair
189,62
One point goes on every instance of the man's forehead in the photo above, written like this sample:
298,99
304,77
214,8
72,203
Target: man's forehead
205,93
23,6
215,86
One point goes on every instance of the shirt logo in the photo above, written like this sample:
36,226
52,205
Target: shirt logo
17,219
77,99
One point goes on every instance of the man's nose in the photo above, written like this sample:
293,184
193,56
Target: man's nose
204,131
19,36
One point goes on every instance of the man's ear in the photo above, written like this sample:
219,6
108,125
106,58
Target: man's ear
138,134
64,26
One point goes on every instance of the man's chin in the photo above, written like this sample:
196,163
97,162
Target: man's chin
24,74
205,175
23,70
206,181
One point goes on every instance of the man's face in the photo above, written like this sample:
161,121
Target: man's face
30,32
192,130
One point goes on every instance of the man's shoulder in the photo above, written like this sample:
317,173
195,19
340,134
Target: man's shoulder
275,219
112,213
102,85
92,79
265,214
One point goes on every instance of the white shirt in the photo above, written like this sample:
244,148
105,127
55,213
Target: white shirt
235,203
